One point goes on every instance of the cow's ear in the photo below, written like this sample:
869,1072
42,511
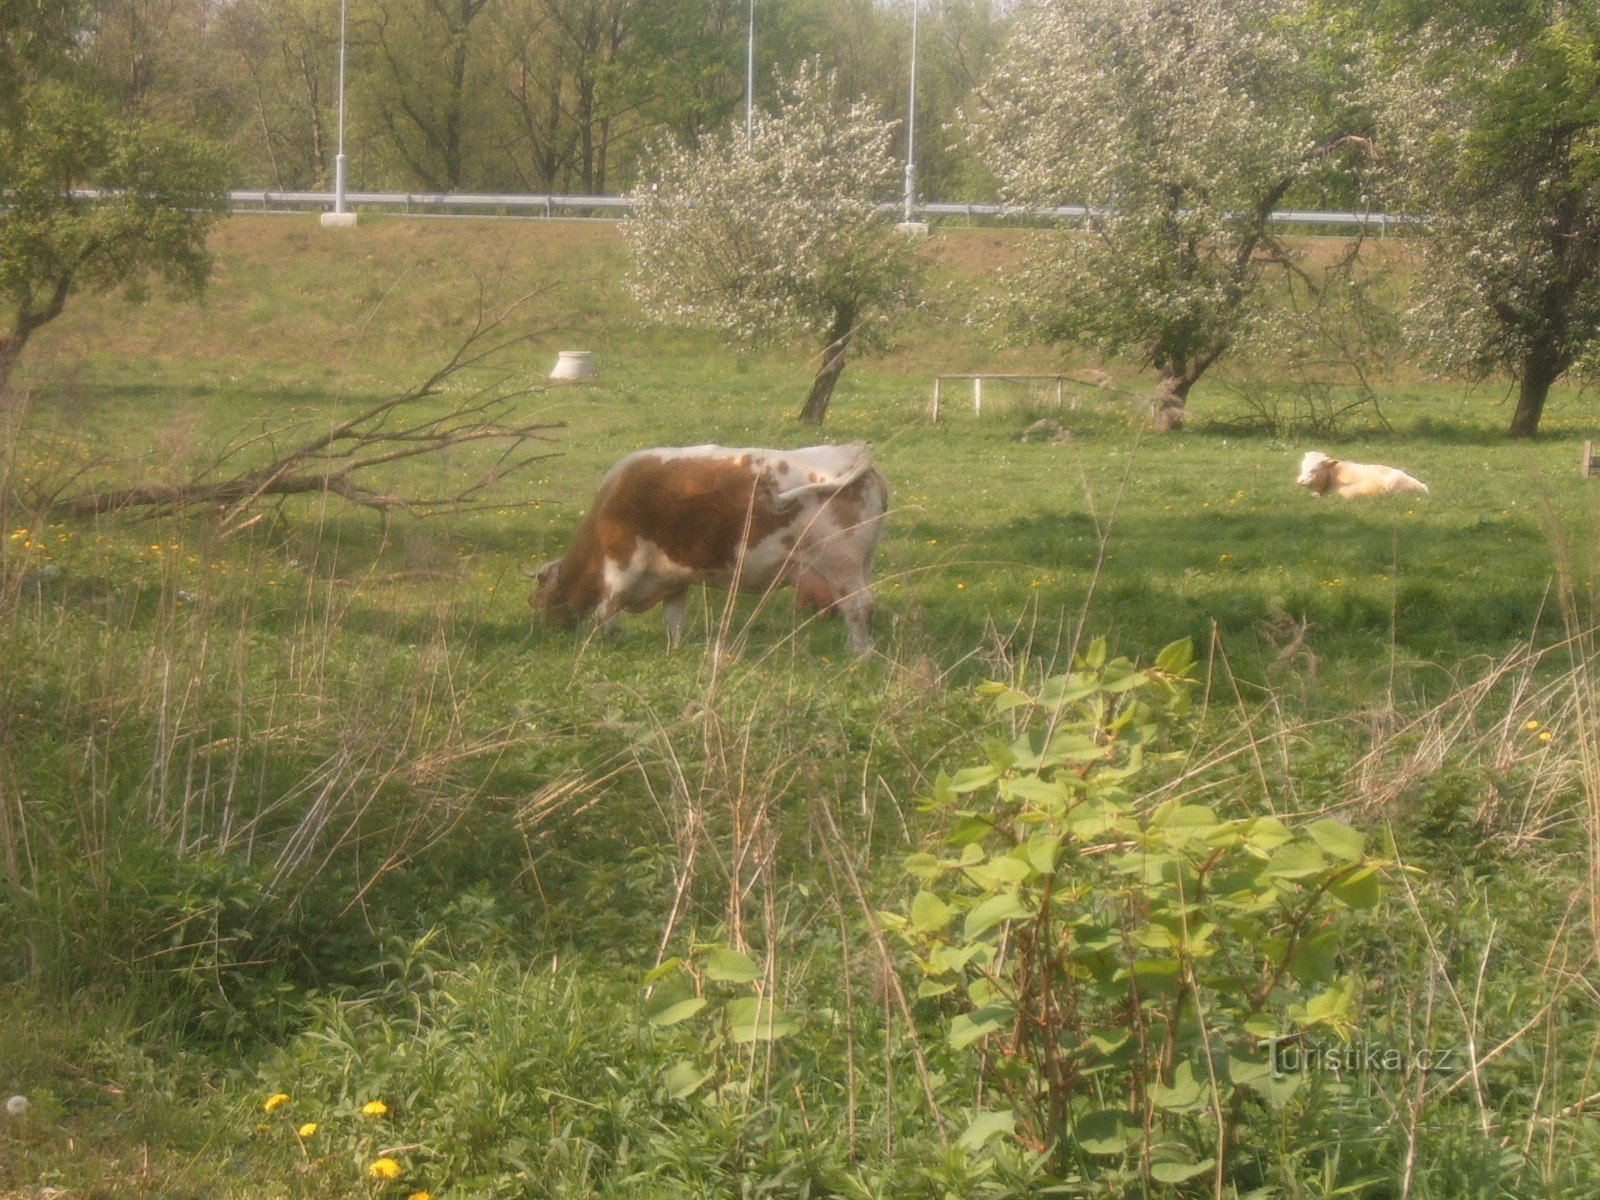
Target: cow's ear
549,573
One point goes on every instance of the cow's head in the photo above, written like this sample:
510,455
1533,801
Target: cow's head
546,599
1316,471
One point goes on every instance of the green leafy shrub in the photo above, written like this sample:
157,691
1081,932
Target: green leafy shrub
1124,968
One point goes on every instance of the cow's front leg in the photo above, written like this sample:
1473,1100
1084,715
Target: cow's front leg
674,609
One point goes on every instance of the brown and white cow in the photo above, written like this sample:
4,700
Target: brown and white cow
754,519
1351,480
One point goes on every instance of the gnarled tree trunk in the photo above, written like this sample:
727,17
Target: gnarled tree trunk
1541,367
1169,406
833,358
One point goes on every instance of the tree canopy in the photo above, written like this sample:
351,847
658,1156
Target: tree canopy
782,236
1182,124
93,201
1492,121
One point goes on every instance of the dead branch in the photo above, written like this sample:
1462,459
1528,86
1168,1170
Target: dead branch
340,460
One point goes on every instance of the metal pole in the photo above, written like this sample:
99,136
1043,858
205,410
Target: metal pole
911,124
750,84
338,162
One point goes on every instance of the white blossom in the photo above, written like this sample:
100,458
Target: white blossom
1181,124
782,237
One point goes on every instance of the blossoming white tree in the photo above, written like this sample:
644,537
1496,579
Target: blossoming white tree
1182,124
1491,116
782,237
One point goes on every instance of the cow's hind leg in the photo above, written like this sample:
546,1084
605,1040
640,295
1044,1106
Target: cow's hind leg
856,608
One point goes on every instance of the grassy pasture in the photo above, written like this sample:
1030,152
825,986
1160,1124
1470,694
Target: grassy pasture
241,775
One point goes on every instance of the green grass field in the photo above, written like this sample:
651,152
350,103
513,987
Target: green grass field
308,805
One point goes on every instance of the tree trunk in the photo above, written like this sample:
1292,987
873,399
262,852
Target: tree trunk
10,350
1169,406
1541,367
833,357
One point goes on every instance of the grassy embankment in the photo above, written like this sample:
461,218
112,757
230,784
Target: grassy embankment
240,772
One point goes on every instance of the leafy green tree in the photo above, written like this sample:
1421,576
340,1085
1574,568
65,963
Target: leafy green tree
1182,124
428,80
35,36
159,191
1490,115
782,237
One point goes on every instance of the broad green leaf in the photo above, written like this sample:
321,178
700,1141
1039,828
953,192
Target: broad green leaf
966,1028
1108,1131
1314,958
1244,1072
1177,1172
1036,749
1032,790
1296,861
1187,1093
1042,850
756,1019
1125,683
1360,888
669,1008
1329,1007
967,830
952,959
1095,656
1176,658
1007,906
658,973
1266,834
970,779
987,1126
684,1079
1109,1043
1009,869
1005,697
1061,690
929,914
726,965
1338,839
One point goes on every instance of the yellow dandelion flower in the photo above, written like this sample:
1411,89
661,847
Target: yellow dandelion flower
307,1129
374,1108
1531,725
960,586
1224,557
275,1100
419,1196
1545,736
384,1168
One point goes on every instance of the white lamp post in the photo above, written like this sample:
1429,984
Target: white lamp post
909,222
750,84
911,123
339,218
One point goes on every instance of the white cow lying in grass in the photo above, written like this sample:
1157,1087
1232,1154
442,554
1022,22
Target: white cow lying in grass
1323,475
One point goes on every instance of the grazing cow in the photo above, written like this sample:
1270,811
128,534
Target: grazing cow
750,519
1323,475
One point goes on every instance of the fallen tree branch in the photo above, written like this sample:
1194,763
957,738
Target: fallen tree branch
340,460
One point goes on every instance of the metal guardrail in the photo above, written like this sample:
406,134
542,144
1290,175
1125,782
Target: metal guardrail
442,203
614,207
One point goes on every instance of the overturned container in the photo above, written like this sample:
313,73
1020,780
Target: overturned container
573,364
